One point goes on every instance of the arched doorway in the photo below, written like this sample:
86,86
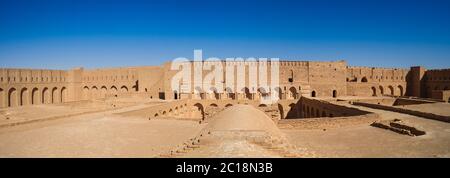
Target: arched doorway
364,79
34,96
230,93
313,93
400,88
12,97
124,89
247,94
2,98
45,96
24,97
103,92
63,94
86,94
293,93
199,111
334,93
391,90
55,95
374,91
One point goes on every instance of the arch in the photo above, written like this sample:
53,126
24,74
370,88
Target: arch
334,94
86,93
103,92
34,96
24,97
54,95
214,94
247,94
400,89
156,115
12,97
313,93
45,96
213,105
364,79
200,111
2,98
63,97
374,91
293,93
263,93
94,92
164,113
113,90
381,90
124,89
228,105
175,94
230,93
199,93
262,105
391,90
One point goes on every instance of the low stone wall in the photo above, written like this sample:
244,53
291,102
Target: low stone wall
166,109
405,111
327,122
410,101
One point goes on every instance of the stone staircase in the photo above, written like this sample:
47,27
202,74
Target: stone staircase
234,144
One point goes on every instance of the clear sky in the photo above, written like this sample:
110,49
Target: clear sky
62,34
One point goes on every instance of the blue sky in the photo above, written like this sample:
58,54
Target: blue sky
62,34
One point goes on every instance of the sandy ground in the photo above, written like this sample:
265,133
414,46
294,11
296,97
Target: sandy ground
95,135
106,134
367,141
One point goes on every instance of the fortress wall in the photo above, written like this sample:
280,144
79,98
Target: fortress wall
327,79
371,81
296,78
436,81
20,87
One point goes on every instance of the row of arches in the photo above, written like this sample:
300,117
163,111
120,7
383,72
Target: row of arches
365,80
95,92
246,94
14,97
390,90
334,93
306,111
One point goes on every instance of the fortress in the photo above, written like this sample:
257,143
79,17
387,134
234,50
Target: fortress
134,111
19,87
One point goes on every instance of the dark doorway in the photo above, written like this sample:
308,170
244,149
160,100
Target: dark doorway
162,95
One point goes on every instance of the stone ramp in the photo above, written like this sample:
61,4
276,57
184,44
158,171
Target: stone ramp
238,131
